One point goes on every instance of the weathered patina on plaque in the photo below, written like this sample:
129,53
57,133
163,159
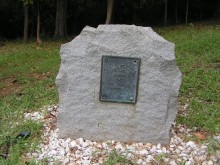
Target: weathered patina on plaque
119,79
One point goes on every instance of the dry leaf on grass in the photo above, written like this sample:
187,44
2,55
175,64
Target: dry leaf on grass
199,135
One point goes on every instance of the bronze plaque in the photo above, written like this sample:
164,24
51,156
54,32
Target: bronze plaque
119,79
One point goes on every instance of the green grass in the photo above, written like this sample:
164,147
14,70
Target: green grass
28,71
32,68
117,158
198,57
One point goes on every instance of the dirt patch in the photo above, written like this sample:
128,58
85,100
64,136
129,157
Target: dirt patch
11,86
216,65
40,76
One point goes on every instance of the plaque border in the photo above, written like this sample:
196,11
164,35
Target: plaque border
137,87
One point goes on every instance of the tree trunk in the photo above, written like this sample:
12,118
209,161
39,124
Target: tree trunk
109,11
60,27
187,10
201,12
216,13
39,41
165,12
25,23
135,15
176,11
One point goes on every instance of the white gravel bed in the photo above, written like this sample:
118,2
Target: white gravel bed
84,152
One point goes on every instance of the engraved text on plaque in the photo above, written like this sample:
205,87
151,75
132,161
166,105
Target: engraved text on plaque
119,79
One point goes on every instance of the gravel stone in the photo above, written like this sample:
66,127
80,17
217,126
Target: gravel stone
173,162
84,152
144,152
140,161
210,162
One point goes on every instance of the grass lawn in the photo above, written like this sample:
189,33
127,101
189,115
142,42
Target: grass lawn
27,74
198,57
28,71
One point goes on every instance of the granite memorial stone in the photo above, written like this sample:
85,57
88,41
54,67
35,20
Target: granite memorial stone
118,82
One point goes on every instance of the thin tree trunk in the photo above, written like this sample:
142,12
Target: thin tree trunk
60,26
25,23
135,15
187,10
75,21
109,11
216,13
10,8
57,19
176,11
165,12
201,13
39,41
64,18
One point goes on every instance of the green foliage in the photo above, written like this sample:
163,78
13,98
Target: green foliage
83,13
115,158
161,156
27,2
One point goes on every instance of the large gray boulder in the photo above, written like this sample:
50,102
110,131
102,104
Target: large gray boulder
82,114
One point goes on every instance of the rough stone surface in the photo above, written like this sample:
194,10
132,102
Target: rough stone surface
81,113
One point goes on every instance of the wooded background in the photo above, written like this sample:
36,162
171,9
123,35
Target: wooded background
59,18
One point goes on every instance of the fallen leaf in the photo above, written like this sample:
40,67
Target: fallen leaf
199,135
47,116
